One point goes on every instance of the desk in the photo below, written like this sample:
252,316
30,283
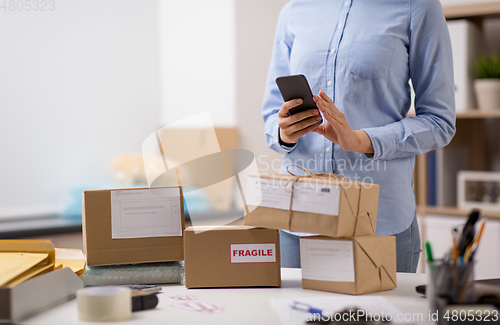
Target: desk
241,306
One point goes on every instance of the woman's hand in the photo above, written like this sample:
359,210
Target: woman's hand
337,130
292,127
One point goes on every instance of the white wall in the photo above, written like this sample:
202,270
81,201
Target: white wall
197,60
77,86
255,27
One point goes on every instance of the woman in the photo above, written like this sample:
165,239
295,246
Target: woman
358,56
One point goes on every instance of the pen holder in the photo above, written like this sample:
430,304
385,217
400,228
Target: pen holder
449,284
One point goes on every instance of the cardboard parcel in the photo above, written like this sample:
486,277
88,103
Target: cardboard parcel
232,256
328,206
355,265
135,225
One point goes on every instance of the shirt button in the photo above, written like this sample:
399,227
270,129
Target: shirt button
346,4
329,83
332,51
327,149
339,26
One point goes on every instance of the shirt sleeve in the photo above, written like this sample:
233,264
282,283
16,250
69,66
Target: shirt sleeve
280,66
431,72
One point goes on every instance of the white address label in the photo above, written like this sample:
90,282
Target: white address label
307,197
253,253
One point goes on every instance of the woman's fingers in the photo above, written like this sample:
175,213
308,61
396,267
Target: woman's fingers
304,115
283,112
331,112
292,127
304,124
308,129
325,97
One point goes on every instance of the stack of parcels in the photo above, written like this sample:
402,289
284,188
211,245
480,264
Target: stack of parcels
347,257
133,236
33,277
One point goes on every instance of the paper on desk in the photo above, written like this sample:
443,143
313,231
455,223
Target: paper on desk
72,258
13,265
144,213
370,304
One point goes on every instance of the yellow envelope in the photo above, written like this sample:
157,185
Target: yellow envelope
13,265
72,258
43,247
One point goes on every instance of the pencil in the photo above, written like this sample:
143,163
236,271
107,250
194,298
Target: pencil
478,239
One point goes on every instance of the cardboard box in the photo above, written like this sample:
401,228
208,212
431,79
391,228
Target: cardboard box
147,225
37,294
326,206
232,256
355,265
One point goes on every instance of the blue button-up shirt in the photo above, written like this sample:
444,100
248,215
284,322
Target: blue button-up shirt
363,53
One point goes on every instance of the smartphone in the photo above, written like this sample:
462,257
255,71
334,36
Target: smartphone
296,86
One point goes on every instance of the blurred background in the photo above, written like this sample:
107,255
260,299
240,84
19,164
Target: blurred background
84,83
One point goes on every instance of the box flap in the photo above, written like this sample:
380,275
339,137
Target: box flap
349,202
367,210
376,269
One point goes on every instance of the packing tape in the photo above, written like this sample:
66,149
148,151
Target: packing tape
104,304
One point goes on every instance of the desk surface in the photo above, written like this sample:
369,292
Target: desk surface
241,305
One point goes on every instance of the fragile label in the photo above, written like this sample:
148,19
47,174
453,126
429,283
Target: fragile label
327,260
253,253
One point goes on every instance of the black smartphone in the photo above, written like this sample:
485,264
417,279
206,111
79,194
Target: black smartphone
296,86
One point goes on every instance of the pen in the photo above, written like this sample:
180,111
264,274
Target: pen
306,308
455,248
468,232
428,250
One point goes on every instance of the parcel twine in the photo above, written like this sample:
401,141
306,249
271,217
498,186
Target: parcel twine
308,176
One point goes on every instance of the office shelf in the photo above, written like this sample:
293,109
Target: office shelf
476,10
474,113
453,211
471,124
